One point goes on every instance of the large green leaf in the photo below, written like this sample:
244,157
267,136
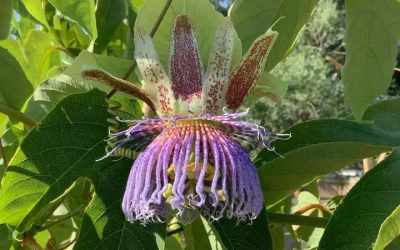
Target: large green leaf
242,235
78,128
317,148
385,114
71,82
39,55
5,18
204,17
80,11
14,87
356,222
5,237
389,231
37,9
109,15
42,55
253,18
373,30
196,236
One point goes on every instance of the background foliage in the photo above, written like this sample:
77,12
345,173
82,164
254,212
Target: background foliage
331,80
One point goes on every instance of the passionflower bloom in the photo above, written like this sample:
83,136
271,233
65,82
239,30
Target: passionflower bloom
194,154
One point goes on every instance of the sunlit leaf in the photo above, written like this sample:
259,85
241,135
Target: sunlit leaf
39,55
71,82
373,30
109,16
253,18
389,230
5,18
37,9
80,11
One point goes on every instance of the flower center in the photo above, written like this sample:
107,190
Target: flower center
195,123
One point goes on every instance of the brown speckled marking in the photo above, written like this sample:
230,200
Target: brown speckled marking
185,68
249,70
218,69
156,82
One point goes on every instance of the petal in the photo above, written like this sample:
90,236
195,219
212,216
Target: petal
185,66
249,71
218,69
156,82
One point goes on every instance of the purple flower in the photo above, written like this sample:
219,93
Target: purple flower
195,157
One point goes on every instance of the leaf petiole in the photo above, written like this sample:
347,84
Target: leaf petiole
17,115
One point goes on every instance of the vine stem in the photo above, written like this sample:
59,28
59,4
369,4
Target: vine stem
152,33
17,115
293,219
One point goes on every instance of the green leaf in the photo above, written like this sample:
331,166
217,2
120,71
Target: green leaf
385,114
197,11
136,4
37,9
278,236
373,30
389,230
235,235
42,55
23,21
171,243
315,149
78,127
268,86
14,87
365,208
109,16
5,18
80,11
253,18
71,82
5,237
196,236
39,55
394,245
